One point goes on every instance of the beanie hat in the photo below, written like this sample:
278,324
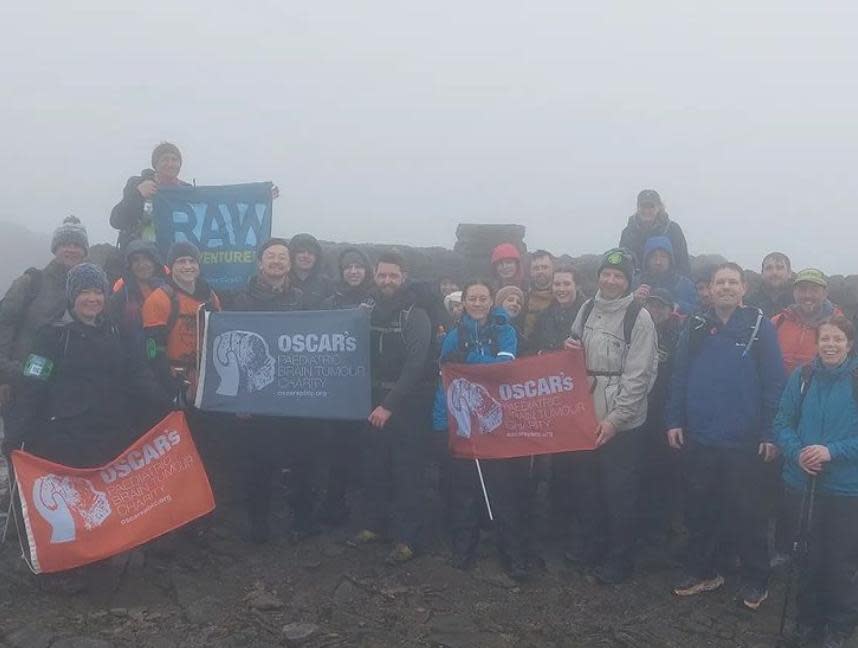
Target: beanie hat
619,259
305,243
353,256
85,276
649,195
71,232
139,246
267,244
506,291
162,149
182,249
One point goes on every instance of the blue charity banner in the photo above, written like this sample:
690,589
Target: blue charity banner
306,364
226,222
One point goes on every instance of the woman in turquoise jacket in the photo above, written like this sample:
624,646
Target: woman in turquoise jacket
817,432
483,336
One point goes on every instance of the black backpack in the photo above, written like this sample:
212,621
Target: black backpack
629,318
807,378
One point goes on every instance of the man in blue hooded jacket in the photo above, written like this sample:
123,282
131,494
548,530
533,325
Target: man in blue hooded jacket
659,271
724,394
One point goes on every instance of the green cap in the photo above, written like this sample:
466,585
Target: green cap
812,275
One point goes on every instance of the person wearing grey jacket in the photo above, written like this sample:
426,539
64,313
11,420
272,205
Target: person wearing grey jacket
621,348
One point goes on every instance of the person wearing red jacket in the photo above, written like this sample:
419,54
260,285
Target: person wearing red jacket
797,324
506,265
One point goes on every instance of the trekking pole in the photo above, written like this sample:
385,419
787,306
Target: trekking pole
13,490
799,550
485,492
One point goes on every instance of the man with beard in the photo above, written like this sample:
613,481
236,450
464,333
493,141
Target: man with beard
306,274
775,292
343,438
402,395
540,293
271,442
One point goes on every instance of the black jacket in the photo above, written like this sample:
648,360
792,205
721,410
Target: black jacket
84,406
554,325
127,215
401,339
770,307
259,296
316,286
346,296
634,238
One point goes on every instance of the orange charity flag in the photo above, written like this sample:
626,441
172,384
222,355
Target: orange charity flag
76,516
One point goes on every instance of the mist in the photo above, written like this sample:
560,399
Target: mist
389,123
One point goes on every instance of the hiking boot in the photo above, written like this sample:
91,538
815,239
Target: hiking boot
363,537
463,561
804,635
517,570
692,585
401,553
612,573
834,639
752,596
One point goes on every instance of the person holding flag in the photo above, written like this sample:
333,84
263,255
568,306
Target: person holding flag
620,343
485,335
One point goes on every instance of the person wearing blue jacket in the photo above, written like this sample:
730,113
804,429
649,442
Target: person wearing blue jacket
817,431
724,393
483,336
659,271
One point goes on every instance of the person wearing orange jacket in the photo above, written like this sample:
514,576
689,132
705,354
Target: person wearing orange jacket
797,324
171,318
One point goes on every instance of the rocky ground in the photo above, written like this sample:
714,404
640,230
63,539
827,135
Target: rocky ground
220,591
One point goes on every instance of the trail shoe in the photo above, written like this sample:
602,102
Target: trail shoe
752,597
692,585
463,561
401,553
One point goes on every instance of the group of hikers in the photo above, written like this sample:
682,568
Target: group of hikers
734,415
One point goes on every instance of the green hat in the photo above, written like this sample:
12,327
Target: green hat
811,275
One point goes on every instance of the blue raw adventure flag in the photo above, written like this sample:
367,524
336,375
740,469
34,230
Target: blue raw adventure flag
309,364
227,223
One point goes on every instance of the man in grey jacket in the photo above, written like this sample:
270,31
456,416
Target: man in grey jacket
621,347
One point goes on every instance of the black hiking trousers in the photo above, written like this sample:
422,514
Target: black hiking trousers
727,507
605,486
395,461
828,583
508,483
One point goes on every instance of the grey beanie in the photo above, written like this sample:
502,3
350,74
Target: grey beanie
85,276
182,249
71,232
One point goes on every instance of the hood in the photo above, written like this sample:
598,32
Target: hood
139,246
366,285
509,251
497,317
793,314
306,242
654,243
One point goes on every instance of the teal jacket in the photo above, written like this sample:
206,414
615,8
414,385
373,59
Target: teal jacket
828,416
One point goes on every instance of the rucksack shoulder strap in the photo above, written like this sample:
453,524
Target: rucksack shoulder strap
629,320
586,311
173,317
855,384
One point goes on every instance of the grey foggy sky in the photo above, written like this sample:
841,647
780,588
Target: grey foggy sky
391,123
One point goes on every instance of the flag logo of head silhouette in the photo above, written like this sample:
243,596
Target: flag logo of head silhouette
473,408
243,362
69,503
